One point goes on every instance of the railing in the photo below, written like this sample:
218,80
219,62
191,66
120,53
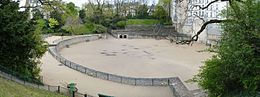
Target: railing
27,81
103,75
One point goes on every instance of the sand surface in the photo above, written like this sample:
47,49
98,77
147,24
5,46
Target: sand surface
140,58
55,73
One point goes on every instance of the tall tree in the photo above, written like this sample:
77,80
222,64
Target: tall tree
21,45
235,70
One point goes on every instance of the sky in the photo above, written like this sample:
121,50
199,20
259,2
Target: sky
80,2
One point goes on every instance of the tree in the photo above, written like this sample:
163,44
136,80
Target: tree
235,70
21,45
160,13
82,15
142,11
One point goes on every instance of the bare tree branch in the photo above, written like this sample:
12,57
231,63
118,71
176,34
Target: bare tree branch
199,17
195,37
202,8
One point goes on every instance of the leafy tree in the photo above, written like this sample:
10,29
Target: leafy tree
82,15
235,70
71,9
53,23
37,14
160,13
21,44
142,11
58,16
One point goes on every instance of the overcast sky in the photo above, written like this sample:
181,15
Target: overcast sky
80,2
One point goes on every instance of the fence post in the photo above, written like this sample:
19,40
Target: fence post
58,89
168,81
73,93
85,95
152,82
135,81
48,87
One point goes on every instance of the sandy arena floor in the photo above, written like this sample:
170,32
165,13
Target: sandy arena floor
56,74
139,58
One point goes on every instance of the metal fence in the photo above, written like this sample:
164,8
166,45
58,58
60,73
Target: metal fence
32,82
54,51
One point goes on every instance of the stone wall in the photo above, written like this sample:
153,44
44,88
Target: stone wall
178,88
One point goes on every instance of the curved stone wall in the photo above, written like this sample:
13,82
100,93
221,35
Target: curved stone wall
176,85
103,75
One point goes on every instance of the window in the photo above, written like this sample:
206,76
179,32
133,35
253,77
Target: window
195,1
195,13
206,14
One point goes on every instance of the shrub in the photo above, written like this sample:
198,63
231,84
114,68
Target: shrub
235,70
121,24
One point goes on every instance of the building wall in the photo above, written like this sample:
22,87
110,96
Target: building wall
193,23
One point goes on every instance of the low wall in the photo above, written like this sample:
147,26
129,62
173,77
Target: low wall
179,89
98,74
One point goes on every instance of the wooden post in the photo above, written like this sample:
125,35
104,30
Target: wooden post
58,89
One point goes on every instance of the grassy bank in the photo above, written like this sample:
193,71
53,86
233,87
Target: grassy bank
122,24
12,89
142,22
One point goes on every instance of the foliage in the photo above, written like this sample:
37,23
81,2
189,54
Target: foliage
37,14
21,45
235,70
142,12
160,13
58,16
53,23
12,89
99,29
142,22
88,28
121,24
71,9
82,15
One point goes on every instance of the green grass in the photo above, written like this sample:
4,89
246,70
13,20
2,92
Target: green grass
12,89
142,22
85,29
79,29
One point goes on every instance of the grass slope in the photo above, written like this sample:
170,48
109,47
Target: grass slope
12,89
142,22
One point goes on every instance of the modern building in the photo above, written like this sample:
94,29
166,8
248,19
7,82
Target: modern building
196,17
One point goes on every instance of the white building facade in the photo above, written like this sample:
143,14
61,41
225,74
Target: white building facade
195,17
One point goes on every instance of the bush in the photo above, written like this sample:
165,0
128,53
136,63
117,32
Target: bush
121,24
235,70
99,29
142,22
87,28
